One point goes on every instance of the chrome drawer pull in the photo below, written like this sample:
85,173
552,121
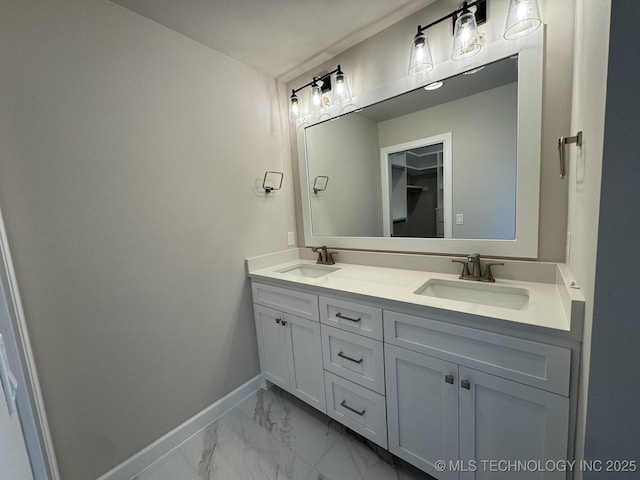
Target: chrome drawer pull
448,379
339,315
344,404
346,357
466,384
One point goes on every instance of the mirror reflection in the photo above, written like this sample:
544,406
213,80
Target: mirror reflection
431,163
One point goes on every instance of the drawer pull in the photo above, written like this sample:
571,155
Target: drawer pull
344,404
346,357
278,320
448,379
339,315
466,384
284,323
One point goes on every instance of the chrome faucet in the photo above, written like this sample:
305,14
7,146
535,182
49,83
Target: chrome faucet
472,267
324,257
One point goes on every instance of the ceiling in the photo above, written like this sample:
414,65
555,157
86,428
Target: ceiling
488,77
283,38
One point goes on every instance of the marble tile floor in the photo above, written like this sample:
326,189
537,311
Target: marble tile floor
274,436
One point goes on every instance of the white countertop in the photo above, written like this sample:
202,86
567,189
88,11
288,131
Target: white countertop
544,309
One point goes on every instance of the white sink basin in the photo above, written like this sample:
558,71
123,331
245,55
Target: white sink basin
308,271
475,292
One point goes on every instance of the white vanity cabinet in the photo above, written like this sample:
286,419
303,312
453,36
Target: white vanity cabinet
353,358
427,389
289,345
438,408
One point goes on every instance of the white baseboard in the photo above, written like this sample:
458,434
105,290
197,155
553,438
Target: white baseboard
152,453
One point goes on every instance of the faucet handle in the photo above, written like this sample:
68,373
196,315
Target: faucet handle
330,259
465,268
488,274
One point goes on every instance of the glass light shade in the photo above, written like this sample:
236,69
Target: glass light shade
295,111
420,60
341,93
466,42
523,19
316,101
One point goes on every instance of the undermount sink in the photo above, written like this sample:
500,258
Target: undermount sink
474,292
308,271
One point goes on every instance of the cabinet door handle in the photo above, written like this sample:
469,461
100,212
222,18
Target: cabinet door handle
346,357
340,315
278,320
284,323
466,384
344,404
448,379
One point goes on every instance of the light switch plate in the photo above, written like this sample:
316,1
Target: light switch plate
291,239
459,218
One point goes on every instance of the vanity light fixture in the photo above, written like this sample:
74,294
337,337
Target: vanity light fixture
523,19
318,99
466,38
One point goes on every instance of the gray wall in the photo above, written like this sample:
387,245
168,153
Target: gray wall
384,57
128,161
613,420
346,151
484,132
585,167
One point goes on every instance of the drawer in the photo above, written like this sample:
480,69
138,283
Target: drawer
354,357
357,408
537,364
352,317
297,303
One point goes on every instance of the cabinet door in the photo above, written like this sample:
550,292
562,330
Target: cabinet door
504,420
273,346
422,409
306,375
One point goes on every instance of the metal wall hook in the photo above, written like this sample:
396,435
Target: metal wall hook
562,141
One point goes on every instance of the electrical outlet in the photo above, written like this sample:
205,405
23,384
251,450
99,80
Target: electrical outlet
291,239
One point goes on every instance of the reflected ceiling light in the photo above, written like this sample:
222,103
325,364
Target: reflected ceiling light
523,19
475,70
318,99
433,86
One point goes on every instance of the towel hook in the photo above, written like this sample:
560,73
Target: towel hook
562,141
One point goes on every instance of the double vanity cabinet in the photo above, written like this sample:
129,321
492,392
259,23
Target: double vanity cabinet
413,382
